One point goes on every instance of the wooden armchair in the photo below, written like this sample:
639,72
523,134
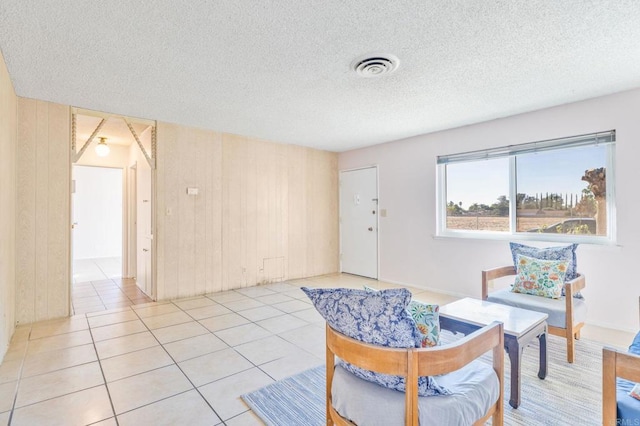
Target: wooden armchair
566,315
617,364
411,363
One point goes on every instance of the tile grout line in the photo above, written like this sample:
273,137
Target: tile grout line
177,366
106,386
17,388
91,328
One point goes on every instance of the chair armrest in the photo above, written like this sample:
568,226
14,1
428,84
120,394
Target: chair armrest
492,274
616,364
444,359
574,286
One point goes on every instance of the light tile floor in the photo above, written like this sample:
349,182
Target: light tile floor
185,361
96,269
98,286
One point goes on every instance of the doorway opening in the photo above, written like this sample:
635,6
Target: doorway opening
97,205
113,174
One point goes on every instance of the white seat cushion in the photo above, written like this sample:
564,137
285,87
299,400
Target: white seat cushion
555,308
475,388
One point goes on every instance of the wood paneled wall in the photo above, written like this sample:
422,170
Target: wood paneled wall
265,212
8,132
42,200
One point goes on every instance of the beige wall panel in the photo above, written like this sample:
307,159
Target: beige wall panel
262,209
58,269
42,232
233,154
213,220
272,190
328,189
297,199
252,214
278,215
251,177
8,133
186,208
160,231
42,210
26,211
281,265
200,213
322,209
310,214
191,235
168,145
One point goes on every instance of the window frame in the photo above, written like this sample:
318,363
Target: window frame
607,138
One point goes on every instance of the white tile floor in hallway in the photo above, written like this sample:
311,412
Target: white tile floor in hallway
98,286
185,361
96,269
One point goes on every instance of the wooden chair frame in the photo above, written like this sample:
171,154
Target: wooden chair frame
414,362
572,329
616,364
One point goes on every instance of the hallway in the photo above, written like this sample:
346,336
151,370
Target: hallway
98,286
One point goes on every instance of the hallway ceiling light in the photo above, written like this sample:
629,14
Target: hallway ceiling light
102,149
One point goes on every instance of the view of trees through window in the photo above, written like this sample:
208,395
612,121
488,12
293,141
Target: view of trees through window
558,191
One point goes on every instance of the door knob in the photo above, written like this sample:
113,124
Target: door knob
370,228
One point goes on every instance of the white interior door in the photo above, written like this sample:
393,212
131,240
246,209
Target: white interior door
359,222
143,227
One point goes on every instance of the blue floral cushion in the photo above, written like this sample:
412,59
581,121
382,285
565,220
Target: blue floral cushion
567,253
427,319
379,318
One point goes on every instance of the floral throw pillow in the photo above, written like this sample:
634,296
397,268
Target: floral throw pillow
376,317
540,277
567,253
427,318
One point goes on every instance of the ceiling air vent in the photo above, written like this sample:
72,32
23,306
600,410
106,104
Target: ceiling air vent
375,65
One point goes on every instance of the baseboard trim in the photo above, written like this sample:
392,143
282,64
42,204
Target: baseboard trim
435,290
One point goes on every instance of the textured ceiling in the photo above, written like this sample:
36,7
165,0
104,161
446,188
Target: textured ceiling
280,70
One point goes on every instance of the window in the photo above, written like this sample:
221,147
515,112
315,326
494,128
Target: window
562,188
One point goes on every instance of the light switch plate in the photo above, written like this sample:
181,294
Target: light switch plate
192,191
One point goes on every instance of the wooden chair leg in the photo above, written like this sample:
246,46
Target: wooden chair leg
577,334
571,356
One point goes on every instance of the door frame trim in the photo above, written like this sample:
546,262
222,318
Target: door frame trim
125,224
151,158
354,169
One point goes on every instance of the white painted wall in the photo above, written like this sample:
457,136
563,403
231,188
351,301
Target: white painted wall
8,137
97,209
410,254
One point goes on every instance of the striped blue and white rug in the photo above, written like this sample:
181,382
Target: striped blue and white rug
571,393
296,400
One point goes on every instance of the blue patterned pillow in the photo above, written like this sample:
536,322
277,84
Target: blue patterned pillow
379,318
549,253
427,319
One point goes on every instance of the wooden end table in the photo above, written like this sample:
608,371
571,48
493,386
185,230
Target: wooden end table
521,326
